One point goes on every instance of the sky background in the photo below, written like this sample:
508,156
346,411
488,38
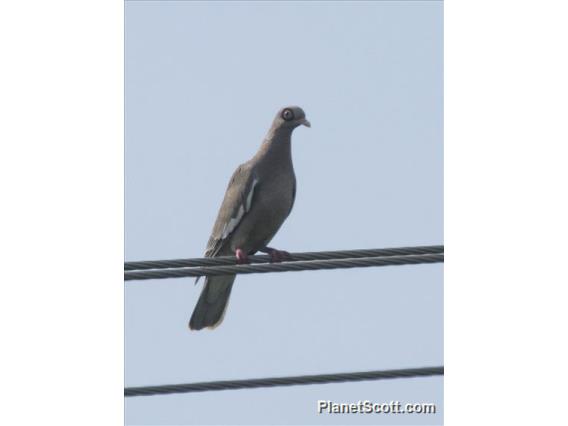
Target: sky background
203,83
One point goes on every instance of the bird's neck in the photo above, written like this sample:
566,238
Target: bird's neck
277,143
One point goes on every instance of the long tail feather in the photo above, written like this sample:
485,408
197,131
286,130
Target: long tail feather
212,304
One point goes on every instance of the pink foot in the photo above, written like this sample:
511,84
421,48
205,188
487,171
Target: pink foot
242,257
276,256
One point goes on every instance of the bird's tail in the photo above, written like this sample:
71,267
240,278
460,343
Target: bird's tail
212,303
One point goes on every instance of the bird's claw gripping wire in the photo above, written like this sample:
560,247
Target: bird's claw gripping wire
276,256
242,257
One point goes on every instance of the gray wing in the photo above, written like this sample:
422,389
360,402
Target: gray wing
236,204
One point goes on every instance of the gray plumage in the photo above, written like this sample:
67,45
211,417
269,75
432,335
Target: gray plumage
258,199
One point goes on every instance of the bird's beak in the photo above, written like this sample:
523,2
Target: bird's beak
306,123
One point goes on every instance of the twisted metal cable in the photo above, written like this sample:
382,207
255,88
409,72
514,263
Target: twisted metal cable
319,255
284,381
284,267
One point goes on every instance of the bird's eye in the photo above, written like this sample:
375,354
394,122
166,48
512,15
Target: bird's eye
288,114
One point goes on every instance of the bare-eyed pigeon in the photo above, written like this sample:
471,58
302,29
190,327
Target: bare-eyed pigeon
259,197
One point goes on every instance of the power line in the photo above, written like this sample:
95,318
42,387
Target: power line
284,267
317,255
283,381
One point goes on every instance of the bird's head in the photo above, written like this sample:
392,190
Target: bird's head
290,117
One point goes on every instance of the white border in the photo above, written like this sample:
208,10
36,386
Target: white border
61,225
506,192
61,220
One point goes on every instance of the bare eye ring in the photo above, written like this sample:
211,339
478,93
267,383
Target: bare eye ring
288,114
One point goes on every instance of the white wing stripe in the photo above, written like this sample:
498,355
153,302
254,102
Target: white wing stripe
250,194
230,227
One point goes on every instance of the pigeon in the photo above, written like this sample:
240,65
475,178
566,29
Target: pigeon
259,197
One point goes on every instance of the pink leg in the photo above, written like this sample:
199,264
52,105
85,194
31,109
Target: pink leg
242,257
276,256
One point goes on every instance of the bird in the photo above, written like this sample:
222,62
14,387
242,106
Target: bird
258,199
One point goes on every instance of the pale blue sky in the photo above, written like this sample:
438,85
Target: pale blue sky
203,82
